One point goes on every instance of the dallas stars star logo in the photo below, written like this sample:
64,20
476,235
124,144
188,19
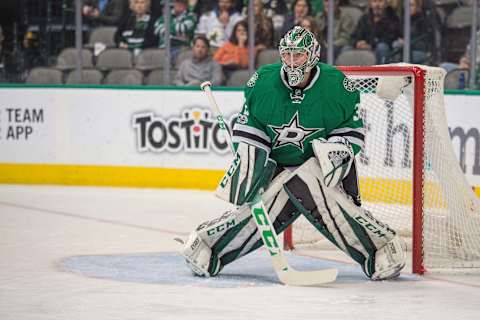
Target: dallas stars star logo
292,133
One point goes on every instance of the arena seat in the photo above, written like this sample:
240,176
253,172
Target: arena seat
42,75
89,76
156,78
356,57
116,58
124,77
105,35
67,59
150,59
238,78
452,79
267,56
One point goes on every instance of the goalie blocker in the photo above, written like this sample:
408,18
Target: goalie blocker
312,190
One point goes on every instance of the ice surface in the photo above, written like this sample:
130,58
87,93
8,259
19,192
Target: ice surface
108,253
169,268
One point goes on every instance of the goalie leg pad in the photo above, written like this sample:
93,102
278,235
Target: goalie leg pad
390,260
351,228
234,234
198,256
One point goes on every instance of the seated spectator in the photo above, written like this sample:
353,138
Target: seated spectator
343,27
310,24
105,12
32,53
421,41
276,10
217,25
377,29
233,55
300,9
134,32
182,26
273,8
263,28
200,67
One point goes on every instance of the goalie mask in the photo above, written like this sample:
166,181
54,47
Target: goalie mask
300,52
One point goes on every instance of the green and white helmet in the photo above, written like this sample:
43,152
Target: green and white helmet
301,42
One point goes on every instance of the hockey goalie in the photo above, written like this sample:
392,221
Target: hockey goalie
295,141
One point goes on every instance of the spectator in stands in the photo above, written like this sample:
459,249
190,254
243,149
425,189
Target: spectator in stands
202,6
343,27
272,8
32,53
397,6
200,67
377,29
182,27
276,10
300,9
199,6
263,28
233,54
311,25
134,32
105,12
421,41
217,25
317,7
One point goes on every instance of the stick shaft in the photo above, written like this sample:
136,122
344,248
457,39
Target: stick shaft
218,113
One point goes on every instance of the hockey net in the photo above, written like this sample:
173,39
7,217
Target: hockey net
409,175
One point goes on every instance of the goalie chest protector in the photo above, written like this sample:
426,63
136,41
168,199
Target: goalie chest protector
291,117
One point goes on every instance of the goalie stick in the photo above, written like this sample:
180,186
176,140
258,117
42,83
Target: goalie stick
285,272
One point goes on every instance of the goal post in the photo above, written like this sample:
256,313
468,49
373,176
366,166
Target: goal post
409,175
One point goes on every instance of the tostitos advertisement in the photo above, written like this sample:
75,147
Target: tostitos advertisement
167,137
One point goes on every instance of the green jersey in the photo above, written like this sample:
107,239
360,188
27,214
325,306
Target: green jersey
182,28
283,120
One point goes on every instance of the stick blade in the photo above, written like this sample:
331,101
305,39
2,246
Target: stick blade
307,278
292,277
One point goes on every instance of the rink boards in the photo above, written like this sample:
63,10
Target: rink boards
156,137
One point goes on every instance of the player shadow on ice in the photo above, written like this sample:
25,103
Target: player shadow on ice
169,268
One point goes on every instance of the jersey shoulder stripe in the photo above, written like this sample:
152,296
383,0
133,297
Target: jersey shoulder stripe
238,127
252,136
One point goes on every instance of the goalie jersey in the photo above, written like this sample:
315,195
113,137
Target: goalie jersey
283,120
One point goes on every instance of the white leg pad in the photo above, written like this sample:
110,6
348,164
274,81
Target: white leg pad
390,259
197,255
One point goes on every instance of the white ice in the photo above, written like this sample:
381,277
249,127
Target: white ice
108,253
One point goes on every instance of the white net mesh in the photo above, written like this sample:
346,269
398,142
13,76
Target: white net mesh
451,211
